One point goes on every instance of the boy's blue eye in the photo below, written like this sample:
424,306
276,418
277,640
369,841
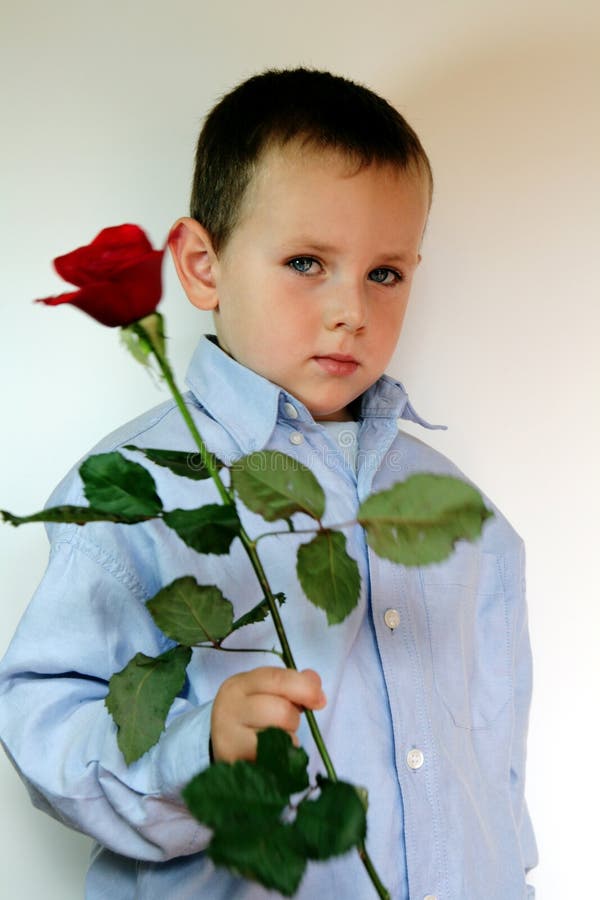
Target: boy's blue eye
302,264
385,276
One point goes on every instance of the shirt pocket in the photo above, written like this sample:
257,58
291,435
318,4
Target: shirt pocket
469,636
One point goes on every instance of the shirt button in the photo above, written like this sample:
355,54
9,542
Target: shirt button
296,437
391,617
430,897
415,760
290,410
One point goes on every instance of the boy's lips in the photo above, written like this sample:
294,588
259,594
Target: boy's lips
337,363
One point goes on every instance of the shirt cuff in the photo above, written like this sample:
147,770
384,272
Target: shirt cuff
183,751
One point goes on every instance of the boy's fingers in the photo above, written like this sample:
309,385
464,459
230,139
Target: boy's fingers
266,710
302,688
251,701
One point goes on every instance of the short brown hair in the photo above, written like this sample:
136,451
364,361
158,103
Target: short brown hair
279,106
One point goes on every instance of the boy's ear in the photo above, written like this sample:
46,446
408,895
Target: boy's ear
195,261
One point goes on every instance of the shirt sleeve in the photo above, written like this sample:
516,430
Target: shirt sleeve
522,667
85,622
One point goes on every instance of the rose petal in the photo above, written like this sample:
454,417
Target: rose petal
142,285
92,299
56,301
112,249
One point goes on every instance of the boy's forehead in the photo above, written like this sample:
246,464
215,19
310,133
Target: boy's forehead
308,157
308,153
282,170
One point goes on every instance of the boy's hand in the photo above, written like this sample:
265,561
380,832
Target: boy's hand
264,697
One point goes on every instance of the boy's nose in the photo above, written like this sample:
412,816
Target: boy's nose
347,309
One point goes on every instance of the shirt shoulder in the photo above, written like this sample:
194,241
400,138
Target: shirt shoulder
409,455
161,427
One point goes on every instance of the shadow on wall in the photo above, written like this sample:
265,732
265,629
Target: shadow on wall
521,119
514,139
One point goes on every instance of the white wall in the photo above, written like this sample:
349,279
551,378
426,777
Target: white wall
102,106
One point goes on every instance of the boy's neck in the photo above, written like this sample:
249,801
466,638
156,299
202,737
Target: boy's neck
350,413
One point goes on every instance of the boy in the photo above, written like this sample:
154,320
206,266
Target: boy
310,199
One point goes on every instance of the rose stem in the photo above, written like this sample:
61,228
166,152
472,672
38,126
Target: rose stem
250,547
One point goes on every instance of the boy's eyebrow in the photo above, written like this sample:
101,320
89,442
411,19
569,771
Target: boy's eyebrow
308,244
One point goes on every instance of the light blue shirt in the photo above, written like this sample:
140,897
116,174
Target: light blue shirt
428,680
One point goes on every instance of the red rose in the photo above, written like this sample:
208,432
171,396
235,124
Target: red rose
118,276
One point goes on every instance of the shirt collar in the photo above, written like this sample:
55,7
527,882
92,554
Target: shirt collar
248,405
388,398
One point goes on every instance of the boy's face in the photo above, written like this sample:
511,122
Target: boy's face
313,283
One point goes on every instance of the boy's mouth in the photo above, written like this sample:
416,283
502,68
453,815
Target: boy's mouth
337,364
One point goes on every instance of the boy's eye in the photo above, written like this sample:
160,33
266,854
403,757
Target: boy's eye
385,276
303,264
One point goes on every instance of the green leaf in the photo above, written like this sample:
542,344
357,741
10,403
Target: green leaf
76,515
276,754
270,853
418,521
117,485
276,486
363,796
185,463
328,575
243,803
239,794
258,613
191,613
334,823
208,529
140,350
141,695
